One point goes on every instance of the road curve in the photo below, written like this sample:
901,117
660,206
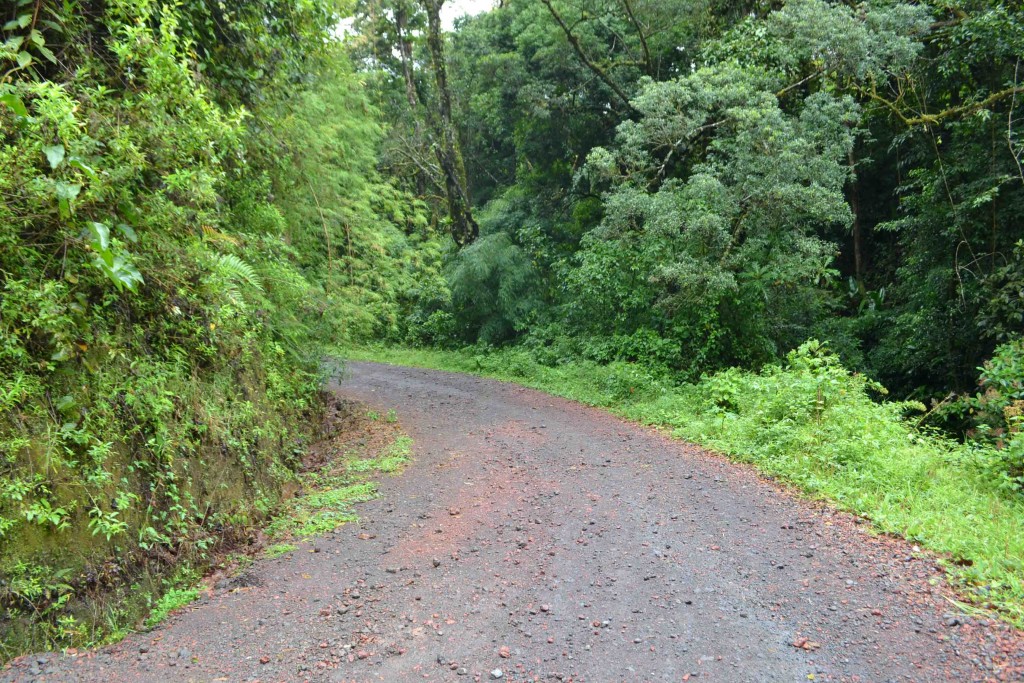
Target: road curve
535,539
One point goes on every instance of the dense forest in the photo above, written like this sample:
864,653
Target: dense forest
199,200
699,185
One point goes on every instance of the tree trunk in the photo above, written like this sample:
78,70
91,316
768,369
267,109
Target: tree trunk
464,228
405,50
858,246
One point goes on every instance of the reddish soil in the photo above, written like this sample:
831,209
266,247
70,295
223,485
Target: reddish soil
552,541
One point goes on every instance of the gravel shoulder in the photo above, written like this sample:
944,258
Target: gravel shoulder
533,538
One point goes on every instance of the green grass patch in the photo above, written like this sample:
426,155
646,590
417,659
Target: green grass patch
326,506
279,549
173,599
329,495
813,424
390,461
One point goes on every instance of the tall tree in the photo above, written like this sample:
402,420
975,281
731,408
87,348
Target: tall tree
464,228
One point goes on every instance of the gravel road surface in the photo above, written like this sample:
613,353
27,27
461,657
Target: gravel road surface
535,539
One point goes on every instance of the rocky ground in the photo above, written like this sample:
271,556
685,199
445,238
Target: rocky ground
534,539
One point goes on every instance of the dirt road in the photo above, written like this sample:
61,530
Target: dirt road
536,539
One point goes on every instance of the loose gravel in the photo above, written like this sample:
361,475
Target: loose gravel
535,539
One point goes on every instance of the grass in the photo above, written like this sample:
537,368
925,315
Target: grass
814,425
391,460
321,510
331,493
279,549
172,600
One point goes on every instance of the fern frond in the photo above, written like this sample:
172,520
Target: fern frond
215,235
234,268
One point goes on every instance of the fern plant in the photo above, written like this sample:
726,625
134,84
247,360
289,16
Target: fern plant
230,273
233,268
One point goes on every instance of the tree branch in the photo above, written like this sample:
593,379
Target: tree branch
1015,152
649,63
598,71
799,83
327,233
932,119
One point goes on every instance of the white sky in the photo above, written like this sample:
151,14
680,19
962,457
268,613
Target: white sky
450,11
453,9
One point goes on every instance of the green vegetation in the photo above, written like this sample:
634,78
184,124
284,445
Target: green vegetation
173,599
390,461
651,202
692,186
327,507
279,549
329,494
189,207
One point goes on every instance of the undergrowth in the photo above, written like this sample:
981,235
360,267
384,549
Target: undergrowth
279,549
177,237
327,507
330,493
172,600
811,423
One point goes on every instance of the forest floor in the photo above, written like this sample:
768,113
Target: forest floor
533,538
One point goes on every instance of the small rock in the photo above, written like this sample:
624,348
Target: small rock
497,673
462,671
183,653
436,562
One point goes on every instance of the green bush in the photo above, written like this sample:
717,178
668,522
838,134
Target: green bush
996,414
